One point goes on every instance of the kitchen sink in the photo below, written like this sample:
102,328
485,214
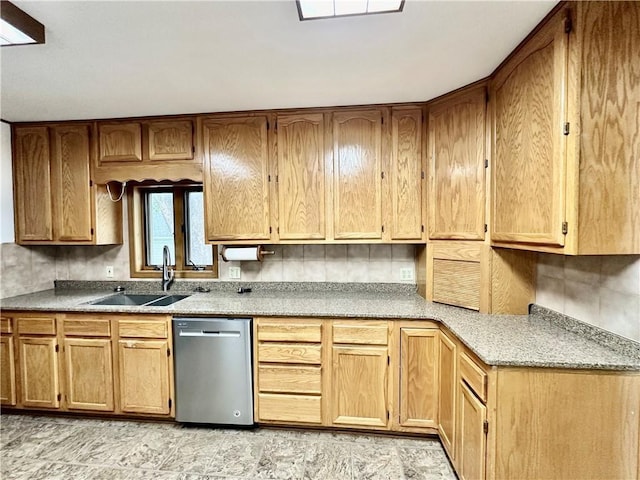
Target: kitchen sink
140,300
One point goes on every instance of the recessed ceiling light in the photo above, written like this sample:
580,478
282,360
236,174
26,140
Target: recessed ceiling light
17,27
314,9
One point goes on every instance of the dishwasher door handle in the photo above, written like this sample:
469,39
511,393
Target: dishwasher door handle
206,333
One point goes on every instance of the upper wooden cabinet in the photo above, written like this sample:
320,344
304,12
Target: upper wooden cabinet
566,171
406,175
55,200
159,149
457,133
357,174
236,178
301,176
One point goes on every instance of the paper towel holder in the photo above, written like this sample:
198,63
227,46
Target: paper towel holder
260,252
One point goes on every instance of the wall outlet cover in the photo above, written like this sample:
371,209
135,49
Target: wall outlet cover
109,271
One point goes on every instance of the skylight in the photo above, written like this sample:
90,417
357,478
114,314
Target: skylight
17,27
313,9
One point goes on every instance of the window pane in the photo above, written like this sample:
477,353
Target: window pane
159,216
197,252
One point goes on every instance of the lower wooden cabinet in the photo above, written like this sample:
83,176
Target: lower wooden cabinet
39,372
144,376
89,374
447,388
7,371
472,438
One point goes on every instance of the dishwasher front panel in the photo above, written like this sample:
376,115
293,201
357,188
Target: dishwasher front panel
213,370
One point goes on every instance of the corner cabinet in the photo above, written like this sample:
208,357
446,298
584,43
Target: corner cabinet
236,179
55,200
565,170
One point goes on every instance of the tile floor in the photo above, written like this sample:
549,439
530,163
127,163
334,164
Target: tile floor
51,448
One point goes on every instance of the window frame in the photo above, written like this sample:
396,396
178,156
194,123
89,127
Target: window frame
137,209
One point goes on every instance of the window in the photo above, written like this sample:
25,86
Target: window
171,215
313,9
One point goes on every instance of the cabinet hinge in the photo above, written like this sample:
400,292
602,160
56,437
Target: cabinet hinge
388,415
486,96
388,360
57,348
486,228
565,128
485,427
382,229
169,404
91,183
568,25
275,126
565,228
486,163
59,397
382,175
277,179
193,149
268,178
270,230
267,124
278,230
92,231
168,352
422,228
422,175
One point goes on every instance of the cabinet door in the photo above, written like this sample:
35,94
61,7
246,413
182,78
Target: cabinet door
301,177
457,135
359,386
7,372
405,174
529,154
472,441
39,384
70,178
418,377
171,140
447,394
236,187
357,174
89,374
32,184
119,142
144,376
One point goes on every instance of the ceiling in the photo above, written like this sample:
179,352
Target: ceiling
106,59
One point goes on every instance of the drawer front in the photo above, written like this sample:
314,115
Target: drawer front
143,328
457,283
289,379
87,328
36,325
474,376
291,331
289,408
365,333
5,325
289,353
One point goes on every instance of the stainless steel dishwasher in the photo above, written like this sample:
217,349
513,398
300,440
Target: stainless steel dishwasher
213,370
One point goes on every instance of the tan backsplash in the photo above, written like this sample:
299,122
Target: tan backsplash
601,290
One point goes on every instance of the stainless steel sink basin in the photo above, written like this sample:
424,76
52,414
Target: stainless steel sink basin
140,300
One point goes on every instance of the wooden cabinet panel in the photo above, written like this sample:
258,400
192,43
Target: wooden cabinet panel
290,379
171,140
236,187
93,327
361,332
472,440
70,175
141,328
289,408
289,353
120,142
39,384
301,177
405,174
357,174
418,377
89,373
457,133
474,376
290,330
36,325
144,376
447,398
529,151
32,184
359,386
7,371
456,283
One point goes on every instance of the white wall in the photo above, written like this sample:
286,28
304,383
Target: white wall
6,188
601,290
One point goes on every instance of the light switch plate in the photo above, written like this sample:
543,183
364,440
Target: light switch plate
234,273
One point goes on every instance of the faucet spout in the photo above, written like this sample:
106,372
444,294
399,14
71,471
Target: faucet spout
167,271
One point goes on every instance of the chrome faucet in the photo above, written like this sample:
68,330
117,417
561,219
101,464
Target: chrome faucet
167,271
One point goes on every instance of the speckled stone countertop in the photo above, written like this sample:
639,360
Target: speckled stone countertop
536,340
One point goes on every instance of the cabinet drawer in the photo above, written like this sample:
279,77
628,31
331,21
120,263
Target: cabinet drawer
292,331
289,379
92,328
5,325
36,325
289,353
474,376
143,328
365,333
289,408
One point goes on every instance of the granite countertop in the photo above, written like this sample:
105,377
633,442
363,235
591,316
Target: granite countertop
536,340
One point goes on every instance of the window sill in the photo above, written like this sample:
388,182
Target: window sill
202,274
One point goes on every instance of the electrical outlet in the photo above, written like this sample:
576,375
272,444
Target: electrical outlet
406,274
109,271
234,273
